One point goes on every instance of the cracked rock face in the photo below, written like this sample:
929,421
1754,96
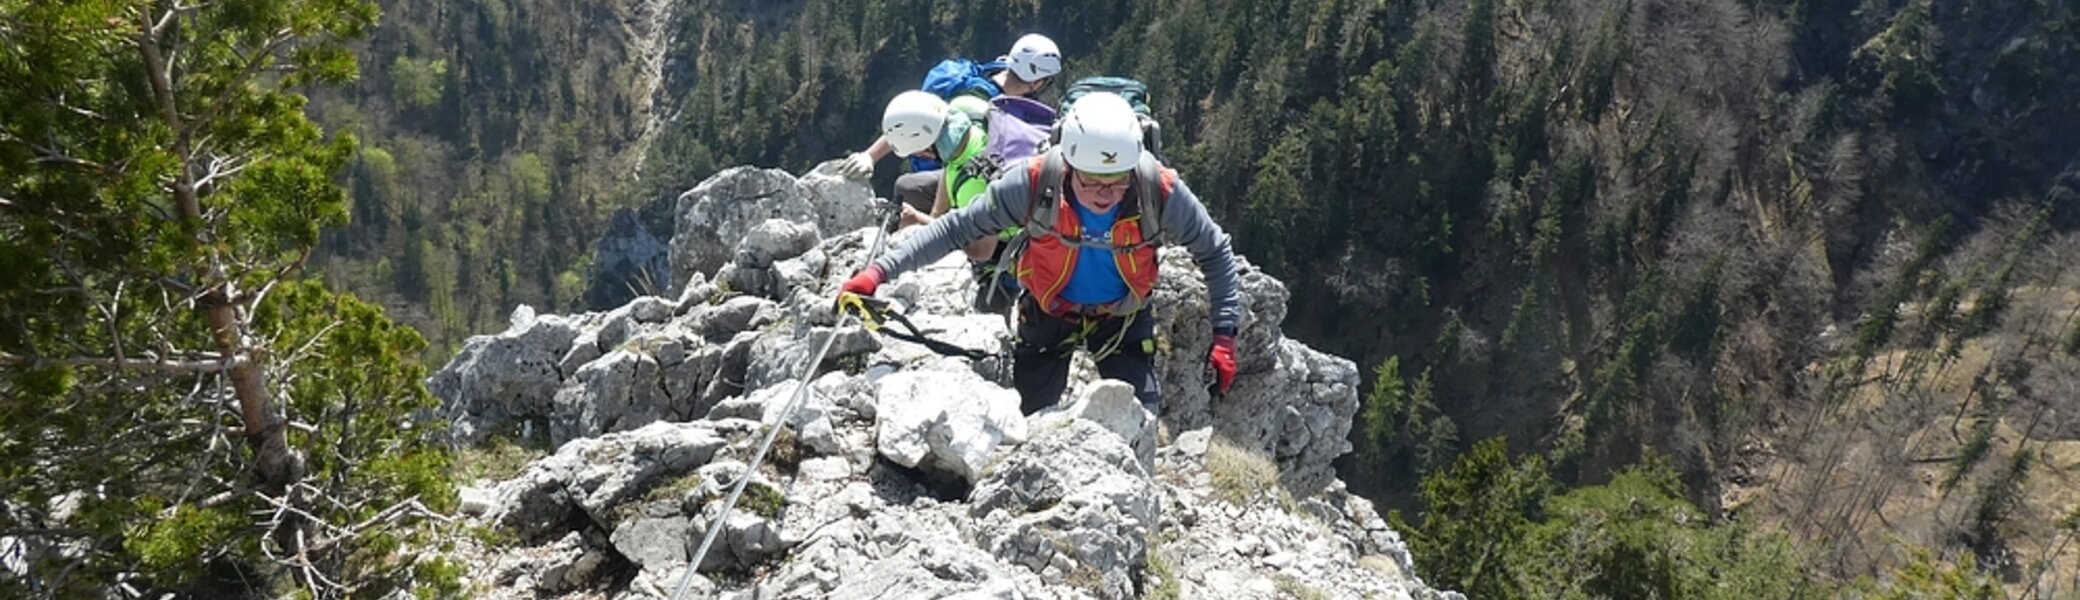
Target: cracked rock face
1071,504
499,378
899,471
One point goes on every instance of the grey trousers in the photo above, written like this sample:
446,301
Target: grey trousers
920,189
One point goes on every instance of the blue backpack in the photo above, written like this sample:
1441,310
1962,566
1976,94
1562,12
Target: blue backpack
956,76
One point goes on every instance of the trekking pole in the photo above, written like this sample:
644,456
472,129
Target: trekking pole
793,402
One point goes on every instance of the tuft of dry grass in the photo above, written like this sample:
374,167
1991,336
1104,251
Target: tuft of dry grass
1239,473
497,459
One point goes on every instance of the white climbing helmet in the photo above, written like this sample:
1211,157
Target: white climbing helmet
1034,57
1101,135
912,121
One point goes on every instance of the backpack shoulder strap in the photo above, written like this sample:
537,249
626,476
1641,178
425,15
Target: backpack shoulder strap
1152,185
1046,171
1044,177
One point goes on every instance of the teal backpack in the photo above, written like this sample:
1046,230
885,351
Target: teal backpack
1136,94
1133,90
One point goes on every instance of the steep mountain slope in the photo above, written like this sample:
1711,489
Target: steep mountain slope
496,135
1605,231
902,471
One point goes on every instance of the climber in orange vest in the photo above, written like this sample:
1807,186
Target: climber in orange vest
1092,209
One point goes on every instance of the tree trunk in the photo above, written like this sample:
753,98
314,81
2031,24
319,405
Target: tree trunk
275,464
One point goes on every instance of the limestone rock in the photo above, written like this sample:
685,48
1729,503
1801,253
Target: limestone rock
1110,404
733,316
651,309
1071,503
1287,397
944,423
497,379
587,477
724,208
779,239
655,544
562,566
779,356
842,203
620,391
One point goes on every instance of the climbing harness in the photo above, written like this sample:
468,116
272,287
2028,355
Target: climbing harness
1088,324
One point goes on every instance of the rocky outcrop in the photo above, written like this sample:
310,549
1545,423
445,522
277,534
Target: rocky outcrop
899,470
717,220
633,257
505,378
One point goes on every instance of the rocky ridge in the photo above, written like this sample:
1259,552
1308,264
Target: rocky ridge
902,471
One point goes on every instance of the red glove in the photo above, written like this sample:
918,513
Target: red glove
863,283
1223,359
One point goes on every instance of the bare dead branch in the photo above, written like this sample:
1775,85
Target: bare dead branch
45,532
221,167
283,507
283,274
312,576
201,466
174,366
46,155
304,351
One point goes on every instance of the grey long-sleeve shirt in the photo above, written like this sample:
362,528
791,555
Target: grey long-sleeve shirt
1010,199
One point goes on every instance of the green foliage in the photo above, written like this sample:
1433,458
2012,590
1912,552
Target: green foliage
167,367
418,83
569,289
676,489
1927,577
1497,527
1401,429
1472,513
1697,328
1522,314
1997,502
438,579
763,500
1618,380
1276,205
1380,419
530,178
2071,343
1905,51
1433,434
182,542
1168,588
1985,419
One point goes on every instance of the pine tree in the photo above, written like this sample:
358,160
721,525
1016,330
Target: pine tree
160,190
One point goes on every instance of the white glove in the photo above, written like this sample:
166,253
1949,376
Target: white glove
859,165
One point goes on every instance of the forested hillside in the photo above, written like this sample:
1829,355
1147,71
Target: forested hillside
496,137
1782,266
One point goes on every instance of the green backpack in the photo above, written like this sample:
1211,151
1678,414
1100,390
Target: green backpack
1133,90
1136,94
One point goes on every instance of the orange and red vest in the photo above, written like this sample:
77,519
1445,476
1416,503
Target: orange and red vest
1054,245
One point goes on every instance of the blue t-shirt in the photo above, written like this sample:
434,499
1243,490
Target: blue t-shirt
1096,280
